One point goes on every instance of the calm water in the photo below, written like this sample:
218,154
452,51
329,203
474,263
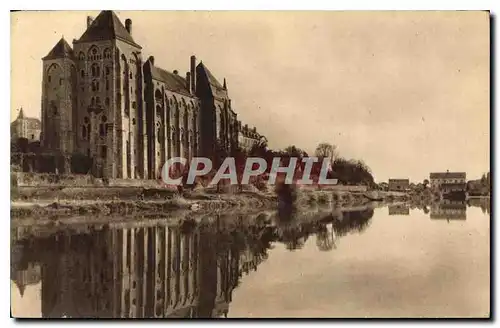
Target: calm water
392,261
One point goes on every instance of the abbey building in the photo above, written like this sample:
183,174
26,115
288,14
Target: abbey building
102,99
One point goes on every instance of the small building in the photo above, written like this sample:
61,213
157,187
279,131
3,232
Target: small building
399,184
25,127
248,137
437,179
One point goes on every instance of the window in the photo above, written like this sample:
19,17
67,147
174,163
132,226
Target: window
107,84
82,73
49,78
134,105
133,121
104,151
107,101
54,107
98,101
130,75
107,53
60,81
86,120
92,102
102,130
108,70
84,132
81,56
104,119
95,70
32,136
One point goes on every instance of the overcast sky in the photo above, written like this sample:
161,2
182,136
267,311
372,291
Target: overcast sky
407,92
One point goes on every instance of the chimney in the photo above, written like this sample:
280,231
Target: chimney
90,20
193,74
188,82
152,60
128,25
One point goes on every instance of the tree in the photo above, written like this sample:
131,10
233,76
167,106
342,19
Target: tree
326,150
425,183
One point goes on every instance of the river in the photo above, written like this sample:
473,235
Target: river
373,261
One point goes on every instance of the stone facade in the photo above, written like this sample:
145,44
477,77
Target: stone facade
248,137
25,127
399,184
437,179
101,99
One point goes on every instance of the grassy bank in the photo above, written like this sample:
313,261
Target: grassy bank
108,201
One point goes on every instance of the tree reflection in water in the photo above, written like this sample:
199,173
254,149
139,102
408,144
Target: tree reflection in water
161,269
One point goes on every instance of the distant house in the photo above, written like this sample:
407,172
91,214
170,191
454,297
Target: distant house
25,127
399,184
437,179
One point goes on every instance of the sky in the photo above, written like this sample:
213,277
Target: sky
406,92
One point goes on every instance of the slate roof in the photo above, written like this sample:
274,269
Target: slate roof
447,175
107,26
173,82
215,86
61,50
33,123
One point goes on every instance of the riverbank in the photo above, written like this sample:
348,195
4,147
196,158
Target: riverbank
60,201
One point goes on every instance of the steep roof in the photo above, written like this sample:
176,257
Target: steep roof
33,122
61,50
173,82
217,88
107,26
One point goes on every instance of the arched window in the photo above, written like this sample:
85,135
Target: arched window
93,53
104,119
81,56
133,121
108,70
82,73
134,105
95,85
84,132
53,107
95,69
107,85
86,120
107,53
92,102
98,101
158,96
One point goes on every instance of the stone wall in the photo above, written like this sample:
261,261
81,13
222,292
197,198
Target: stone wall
25,179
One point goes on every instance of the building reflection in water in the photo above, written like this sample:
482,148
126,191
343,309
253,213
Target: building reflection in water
449,210
176,271
400,209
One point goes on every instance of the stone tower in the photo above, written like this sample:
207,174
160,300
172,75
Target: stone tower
111,119
59,98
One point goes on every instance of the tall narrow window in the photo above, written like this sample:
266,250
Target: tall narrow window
82,73
104,151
